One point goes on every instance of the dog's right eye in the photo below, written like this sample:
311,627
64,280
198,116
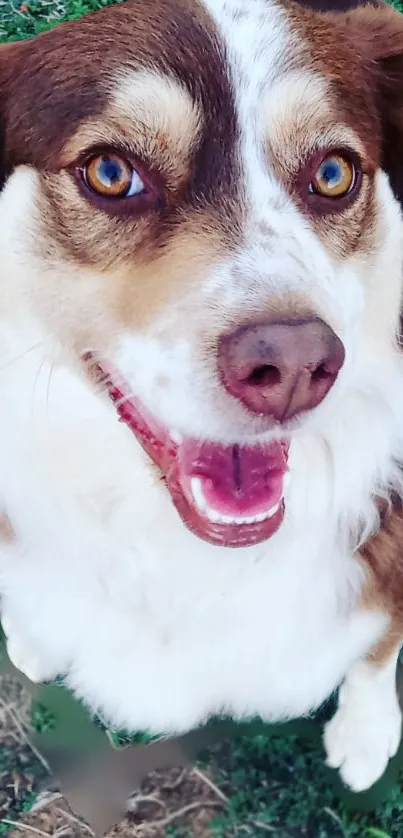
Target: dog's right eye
335,177
119,184
112,176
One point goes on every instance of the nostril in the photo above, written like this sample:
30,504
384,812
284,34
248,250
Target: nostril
322,373
265,375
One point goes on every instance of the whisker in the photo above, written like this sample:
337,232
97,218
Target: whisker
51,369
53,364
35,384
22,355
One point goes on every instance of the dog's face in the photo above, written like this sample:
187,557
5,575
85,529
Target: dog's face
195,208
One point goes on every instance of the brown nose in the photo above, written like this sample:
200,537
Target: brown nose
281,369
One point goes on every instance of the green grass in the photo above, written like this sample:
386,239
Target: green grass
281,782
23,20
276,784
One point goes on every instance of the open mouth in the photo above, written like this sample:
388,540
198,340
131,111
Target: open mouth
228,495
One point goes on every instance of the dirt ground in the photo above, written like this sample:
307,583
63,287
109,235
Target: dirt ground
183,800
251,785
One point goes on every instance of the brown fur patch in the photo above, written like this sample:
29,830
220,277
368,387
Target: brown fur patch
364,76
365,72
56,76
344,115
141,262
338,5
190,145
382,559
150,116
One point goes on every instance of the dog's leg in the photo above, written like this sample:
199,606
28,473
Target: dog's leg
23,658
366,729
28,661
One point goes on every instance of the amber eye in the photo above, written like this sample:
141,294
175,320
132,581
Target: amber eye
111,176
335,177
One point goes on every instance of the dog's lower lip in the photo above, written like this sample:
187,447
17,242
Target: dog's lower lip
228,495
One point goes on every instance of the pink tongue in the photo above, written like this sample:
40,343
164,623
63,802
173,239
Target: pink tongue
234,480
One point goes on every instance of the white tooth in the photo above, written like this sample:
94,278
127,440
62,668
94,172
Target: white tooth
176,436
197,492
213,516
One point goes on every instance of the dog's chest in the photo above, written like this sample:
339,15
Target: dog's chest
160,627
207,630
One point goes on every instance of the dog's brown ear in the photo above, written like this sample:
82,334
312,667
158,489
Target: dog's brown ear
378,36
390,93
10,56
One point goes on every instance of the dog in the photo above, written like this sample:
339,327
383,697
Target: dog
202,382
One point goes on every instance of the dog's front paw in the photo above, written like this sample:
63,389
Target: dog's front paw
24,658
360,744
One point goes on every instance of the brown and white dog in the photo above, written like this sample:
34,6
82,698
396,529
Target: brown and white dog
202,386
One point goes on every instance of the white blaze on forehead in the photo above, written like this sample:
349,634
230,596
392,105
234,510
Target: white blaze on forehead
281,103
256,36
260,46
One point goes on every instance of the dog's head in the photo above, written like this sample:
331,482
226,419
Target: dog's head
195,207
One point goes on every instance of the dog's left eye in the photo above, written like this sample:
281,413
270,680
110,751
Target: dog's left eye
335,177
111,176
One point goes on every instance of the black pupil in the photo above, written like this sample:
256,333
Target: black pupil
110,171
332,173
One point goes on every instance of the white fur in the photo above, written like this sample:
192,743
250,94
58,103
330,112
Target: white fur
155,628
365,732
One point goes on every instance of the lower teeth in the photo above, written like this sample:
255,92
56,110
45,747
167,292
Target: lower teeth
217,518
